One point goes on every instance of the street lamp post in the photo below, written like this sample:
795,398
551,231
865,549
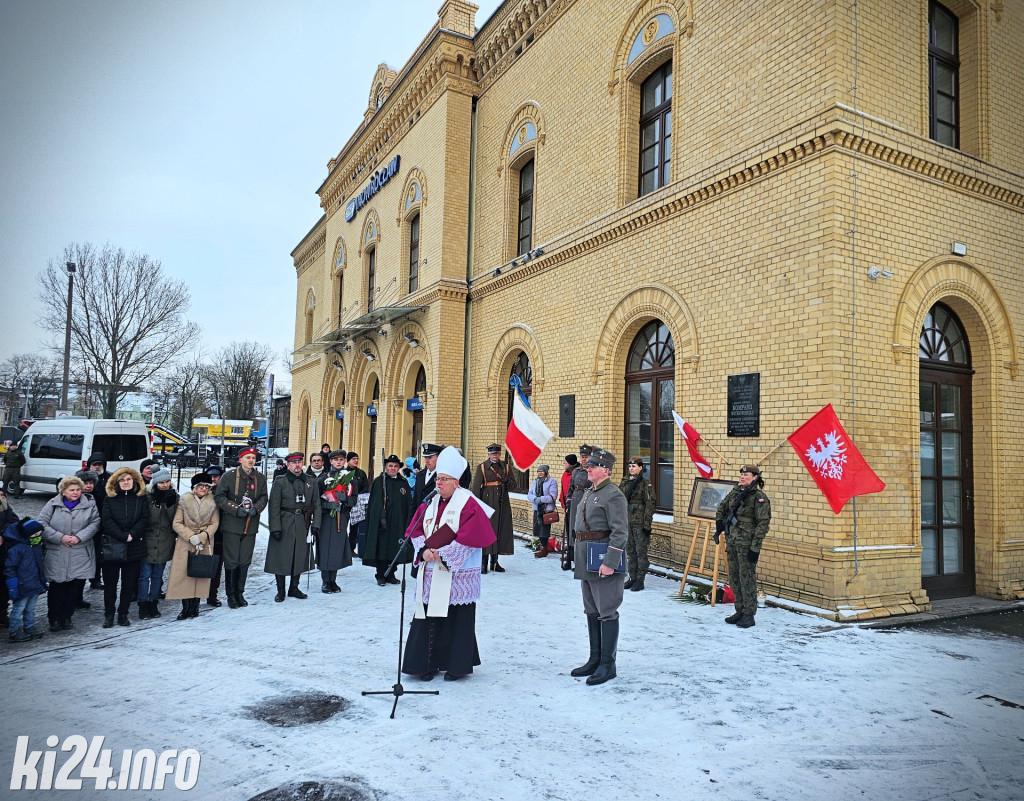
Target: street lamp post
223,422
71,268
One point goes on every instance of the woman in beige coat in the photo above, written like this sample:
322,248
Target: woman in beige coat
194,525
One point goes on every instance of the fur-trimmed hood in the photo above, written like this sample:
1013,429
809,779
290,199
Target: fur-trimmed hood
140,485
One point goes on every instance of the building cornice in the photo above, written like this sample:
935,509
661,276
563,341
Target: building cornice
312,246
668,203
505,36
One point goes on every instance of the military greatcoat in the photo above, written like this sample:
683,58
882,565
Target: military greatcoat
294,507
387,515
239,531
491,481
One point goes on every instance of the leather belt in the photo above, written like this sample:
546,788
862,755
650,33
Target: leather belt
300,511
492,483
591,536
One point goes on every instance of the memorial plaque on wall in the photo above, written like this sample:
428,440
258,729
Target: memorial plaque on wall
744,405
567,415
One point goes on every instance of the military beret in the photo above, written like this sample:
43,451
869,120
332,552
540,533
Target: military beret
750,468
599,457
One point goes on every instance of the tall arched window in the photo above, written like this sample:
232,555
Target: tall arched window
372,438
656,129
522,369
371,278
420,389
650,398
524,240
414,253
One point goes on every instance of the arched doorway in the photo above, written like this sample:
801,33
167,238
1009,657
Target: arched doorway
303,442
335,433
419,392
368,461
650,398
947,487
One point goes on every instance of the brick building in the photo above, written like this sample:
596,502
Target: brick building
635,206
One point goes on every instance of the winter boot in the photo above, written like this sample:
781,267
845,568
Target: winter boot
495,566
19,635
541,552
35,632
194,607
483,566
186,610
212,601
629,583
390,577
637,585
594,629
279,598
55,625
108,621
229,586
294,591
154,609
144,610
609,643
242,572
122,620
745,622
734,617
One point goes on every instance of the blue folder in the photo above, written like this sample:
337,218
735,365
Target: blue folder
595,557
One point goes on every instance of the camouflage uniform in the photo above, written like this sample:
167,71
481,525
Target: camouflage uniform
641,513
14,460
744,533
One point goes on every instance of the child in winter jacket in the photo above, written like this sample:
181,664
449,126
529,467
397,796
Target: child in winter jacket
24,576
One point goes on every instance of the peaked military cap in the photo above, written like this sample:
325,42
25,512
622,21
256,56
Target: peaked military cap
586,450
430,449
599,457
494,447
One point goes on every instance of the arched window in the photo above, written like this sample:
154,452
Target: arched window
420,390
371,278
656,129
307,333
943,75
372,434
414,253
943,338
520,368
650,398
524,238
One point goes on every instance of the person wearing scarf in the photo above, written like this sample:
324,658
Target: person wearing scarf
542,495
125,519
641,502
294,506
744,516
163,500
71,523
195,526
387,515
333,547
448,536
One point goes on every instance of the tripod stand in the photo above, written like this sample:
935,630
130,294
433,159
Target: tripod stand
397,689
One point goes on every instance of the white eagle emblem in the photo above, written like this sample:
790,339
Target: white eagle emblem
829,456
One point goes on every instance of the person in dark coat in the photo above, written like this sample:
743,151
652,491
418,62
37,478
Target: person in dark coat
279,469
491,481
426,478
98,465
147,468
361,492
7,517
241,496
14,460
316,466
24,577
294,506
578,484
387,515
333,551
214,472
125,519
163,499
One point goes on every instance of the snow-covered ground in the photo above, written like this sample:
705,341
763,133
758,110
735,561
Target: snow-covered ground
795,708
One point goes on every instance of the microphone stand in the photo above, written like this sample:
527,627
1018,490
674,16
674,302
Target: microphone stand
397,690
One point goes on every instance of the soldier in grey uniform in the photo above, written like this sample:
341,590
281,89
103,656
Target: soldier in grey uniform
578,484
241,496
601,516
743,516
294,506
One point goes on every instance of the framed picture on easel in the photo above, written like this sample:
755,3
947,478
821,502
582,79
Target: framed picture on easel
706,495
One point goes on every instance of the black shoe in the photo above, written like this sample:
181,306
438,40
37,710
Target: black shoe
241,573
335,587
186,611
96,585
734,617
54,625
212,601
745,622
629,583
326,588
390,579
428,676
193,607
450,677
637,585
154,609
122,620
66,625
382,582
483,567
295,592
19,636
83,605
108,621
497,569
144,610
34,632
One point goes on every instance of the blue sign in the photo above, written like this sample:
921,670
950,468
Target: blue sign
414,404
371,411
377,181
339,414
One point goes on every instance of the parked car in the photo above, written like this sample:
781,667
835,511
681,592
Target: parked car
57,448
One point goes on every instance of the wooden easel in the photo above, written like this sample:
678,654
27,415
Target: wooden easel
706,527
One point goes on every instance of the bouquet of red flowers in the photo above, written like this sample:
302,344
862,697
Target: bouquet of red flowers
337,487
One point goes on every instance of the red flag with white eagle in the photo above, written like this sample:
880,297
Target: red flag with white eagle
833,460
691,437
527,435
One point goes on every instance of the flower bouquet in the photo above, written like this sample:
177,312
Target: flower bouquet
336,488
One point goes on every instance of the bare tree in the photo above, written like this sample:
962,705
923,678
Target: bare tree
31,376
237,379
127,316
183,392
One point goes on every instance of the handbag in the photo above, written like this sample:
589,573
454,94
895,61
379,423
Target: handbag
549,517
201,565
113,550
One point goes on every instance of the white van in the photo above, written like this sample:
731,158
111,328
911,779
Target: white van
57,448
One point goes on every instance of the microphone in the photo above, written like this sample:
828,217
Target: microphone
430,495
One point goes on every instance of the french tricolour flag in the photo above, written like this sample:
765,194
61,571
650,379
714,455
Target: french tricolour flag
527,435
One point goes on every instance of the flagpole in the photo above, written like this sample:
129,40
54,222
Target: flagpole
720,454
764,458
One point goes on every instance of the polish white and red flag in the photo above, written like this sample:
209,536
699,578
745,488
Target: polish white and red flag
833,460
691,438
527,435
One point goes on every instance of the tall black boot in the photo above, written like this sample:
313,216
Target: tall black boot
293,589
240,577
186,610
230,580
495,567
280,589
594,629
483,564
609,646
194,610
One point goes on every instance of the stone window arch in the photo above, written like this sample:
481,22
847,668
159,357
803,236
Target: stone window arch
411,223
522,163
338,281
369,246
309,307
523,370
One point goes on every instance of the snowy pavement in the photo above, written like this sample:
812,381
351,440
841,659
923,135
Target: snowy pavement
795,708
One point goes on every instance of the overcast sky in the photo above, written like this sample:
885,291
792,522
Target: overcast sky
196,131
